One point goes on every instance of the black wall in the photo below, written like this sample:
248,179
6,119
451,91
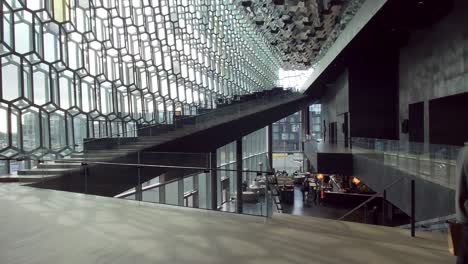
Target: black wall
335,163
447,120
372,59
373,85
416,122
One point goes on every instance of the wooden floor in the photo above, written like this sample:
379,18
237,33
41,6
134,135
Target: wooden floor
42,226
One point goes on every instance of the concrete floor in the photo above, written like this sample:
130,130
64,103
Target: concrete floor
43,226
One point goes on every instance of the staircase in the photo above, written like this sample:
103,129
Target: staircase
275,193
155,137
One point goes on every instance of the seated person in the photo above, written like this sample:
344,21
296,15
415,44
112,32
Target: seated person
244,186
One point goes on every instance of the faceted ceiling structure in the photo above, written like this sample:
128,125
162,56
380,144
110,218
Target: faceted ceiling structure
300,31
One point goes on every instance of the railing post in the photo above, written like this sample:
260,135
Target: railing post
384,207
86,178
213,181
267,196
138,189
413,209
365,214
196,196
180,192
270,145
239,202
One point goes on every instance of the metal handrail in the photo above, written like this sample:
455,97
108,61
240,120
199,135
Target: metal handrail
153,186
158,185
133,191
368,200
85,163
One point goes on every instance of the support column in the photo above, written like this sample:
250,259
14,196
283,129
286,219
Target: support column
270,146
180,192
305,115
384,207
213,181
413,208
162,189
305,118
139,188
239,202
196,196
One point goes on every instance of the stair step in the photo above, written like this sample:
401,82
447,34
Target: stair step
100,153
83,159
27,178
59,165
157,139
109,152
43,171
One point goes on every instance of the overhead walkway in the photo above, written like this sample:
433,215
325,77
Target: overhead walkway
45,226
202,133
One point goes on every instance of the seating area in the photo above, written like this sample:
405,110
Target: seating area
286,188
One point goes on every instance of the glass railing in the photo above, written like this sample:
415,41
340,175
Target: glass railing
256,195
379,162
418,179
374,210
152,177
432,162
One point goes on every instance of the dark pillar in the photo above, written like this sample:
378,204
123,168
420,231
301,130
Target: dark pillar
213,181
384,207
239,175
138,188
305,118
389,213
270,146
196,196
305,114
180,192
413,209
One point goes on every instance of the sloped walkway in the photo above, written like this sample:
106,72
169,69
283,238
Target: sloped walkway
44,226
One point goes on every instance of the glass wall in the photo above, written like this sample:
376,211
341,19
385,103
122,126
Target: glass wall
254,158
287,134
192,188
316,121
72,69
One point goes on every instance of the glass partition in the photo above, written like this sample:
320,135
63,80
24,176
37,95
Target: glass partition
432,162
254,165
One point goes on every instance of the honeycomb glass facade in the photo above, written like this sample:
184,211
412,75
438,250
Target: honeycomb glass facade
75,69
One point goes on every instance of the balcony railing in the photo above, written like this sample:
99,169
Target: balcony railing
432,162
